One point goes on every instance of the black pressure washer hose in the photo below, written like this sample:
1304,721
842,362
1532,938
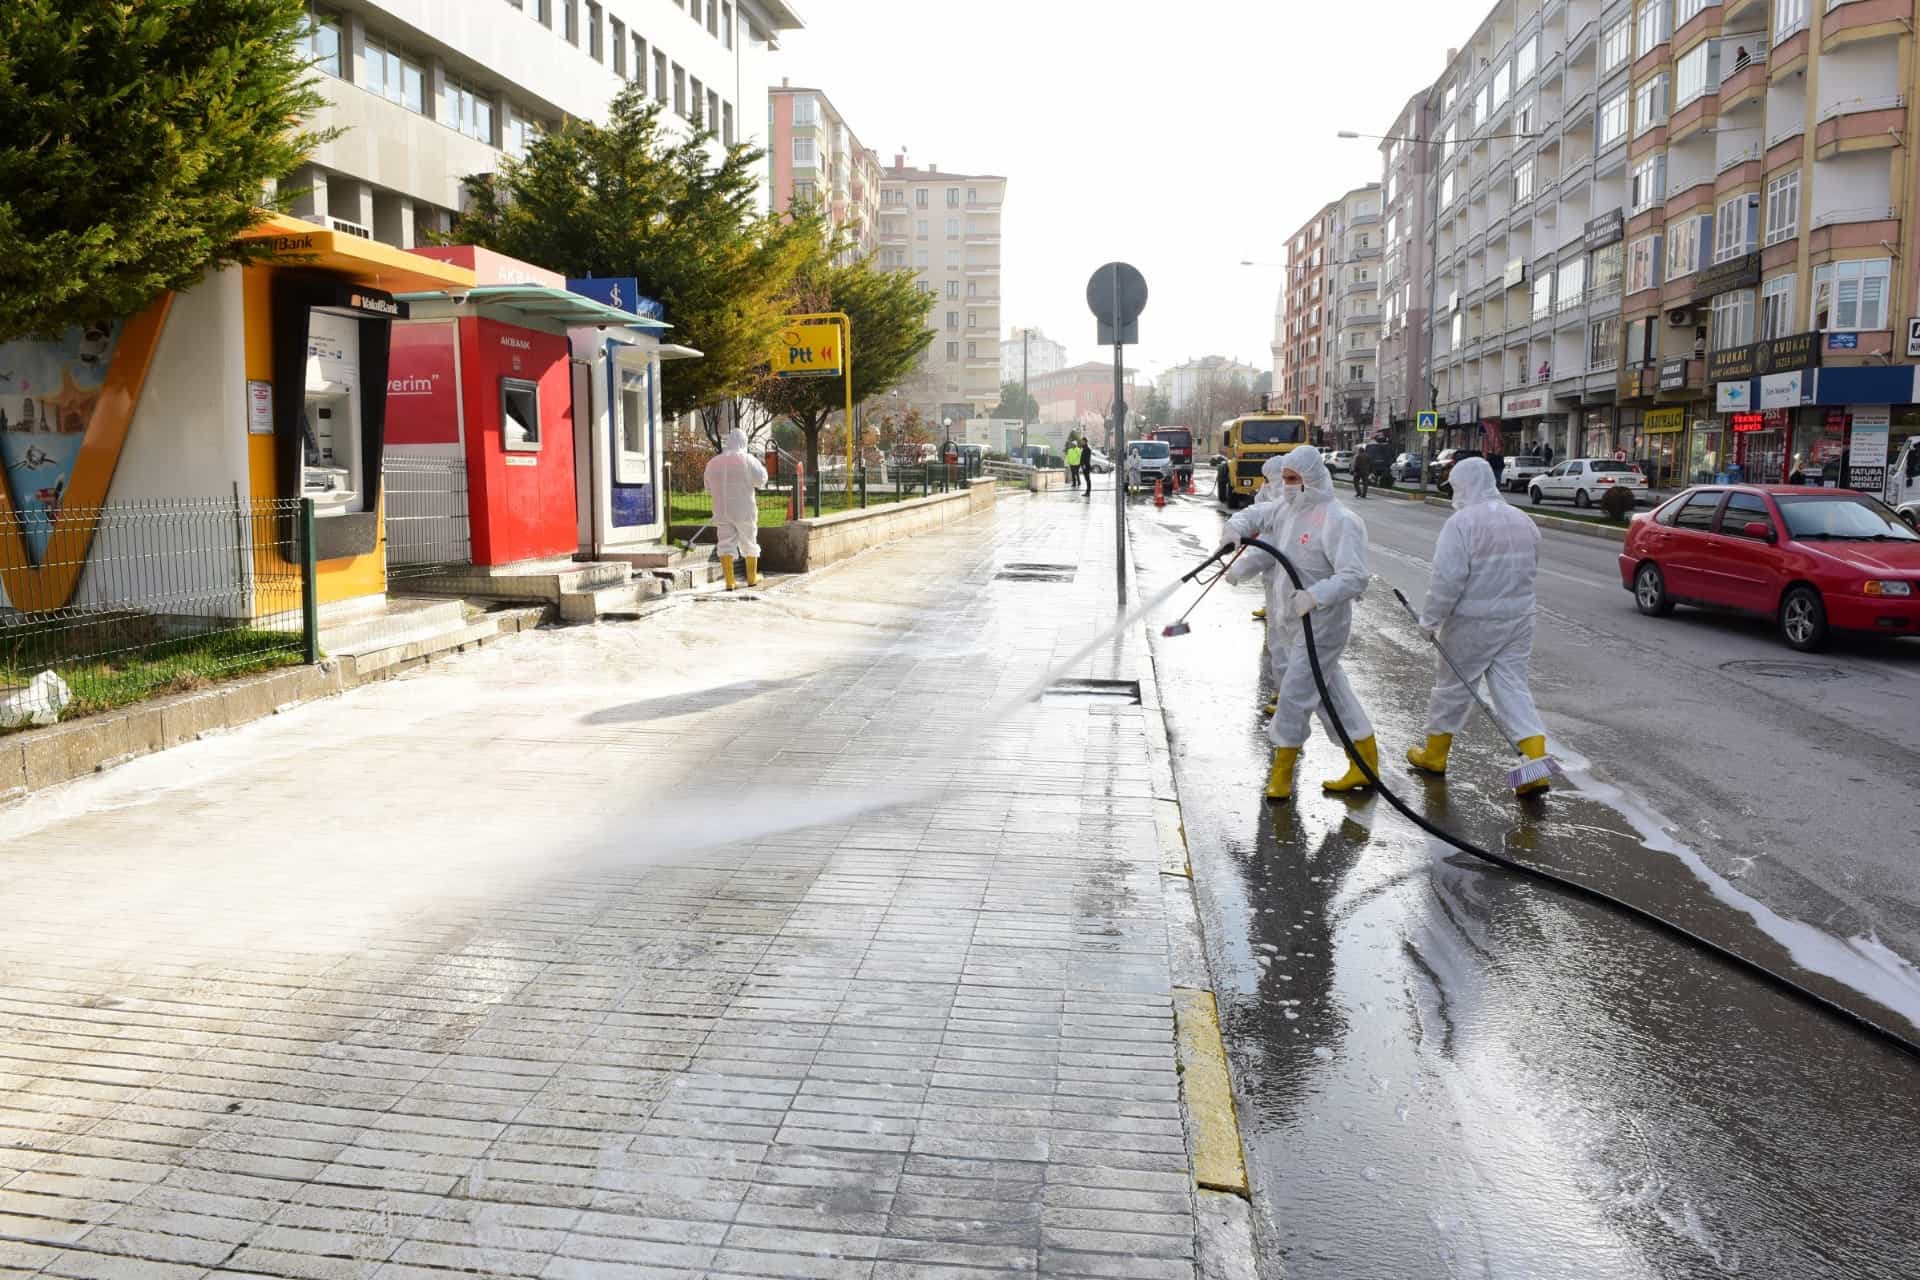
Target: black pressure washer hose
1859,1021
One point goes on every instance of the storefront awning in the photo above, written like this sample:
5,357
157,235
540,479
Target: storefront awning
674,351
534,305
296,243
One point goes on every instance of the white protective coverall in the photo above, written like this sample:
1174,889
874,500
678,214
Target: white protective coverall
1480,603
1247,524
732,477
1328,546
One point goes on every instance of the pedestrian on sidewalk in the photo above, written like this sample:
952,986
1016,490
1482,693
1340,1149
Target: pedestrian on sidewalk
1479,608
734,476
1362,471
1086,464
1073,462
1327,545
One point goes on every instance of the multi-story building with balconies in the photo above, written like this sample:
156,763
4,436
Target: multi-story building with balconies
1300,328
1678,231
429,92
1028,353
1402,389
946,228
815,158
1348,372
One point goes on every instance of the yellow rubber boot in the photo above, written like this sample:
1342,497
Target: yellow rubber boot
1272,706
1353,779
726,567
1280,775
753,571
1259,615
1431,758
1534,748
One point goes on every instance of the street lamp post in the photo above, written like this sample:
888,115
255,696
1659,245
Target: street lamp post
1025,336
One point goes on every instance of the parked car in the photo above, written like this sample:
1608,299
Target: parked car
1443,467
1100,462
1518,474
1405,469
1147,461
1584,480
1815,561
1340,461
1910,512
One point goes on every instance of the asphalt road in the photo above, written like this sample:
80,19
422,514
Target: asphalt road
1444,1070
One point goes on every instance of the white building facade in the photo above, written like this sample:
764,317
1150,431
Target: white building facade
1029,353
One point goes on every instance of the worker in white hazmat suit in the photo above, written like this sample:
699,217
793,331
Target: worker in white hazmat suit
1246,524
1479,607
733,477
1327,545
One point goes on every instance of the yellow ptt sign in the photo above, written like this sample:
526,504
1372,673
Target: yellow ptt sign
807,351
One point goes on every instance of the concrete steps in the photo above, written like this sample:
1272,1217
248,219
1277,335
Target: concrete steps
625,597
394,622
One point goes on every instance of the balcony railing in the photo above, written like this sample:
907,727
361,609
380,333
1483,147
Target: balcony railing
1854,106
1794,128
1744,155
1835,217
1733,66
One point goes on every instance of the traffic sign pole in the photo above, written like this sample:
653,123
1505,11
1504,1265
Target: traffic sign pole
1117,294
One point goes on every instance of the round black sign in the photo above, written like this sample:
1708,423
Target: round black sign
1118,286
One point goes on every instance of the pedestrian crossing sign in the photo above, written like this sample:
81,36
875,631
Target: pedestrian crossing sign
1427,420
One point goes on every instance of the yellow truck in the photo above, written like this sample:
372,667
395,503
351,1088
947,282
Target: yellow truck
1246,443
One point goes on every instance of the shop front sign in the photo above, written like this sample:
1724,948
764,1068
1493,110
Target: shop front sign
1867,448
1796,351
1609,228
1629,383
1673,374
1523,404
1746,423
1732,397
1782,390
1660,422
1735,273
1843,342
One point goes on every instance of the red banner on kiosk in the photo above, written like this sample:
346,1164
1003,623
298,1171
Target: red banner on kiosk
423,405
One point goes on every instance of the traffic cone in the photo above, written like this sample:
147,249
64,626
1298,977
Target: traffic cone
1189,482
1159,493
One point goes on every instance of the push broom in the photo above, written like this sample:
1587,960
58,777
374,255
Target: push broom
1530,771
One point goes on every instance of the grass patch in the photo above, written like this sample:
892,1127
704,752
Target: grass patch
697,508
102,682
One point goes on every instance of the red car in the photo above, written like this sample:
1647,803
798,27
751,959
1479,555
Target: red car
1816,561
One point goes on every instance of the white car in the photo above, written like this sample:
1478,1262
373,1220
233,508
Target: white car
1584,481
1340,461
1101,463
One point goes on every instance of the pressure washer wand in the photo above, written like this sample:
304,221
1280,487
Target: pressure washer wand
1179,627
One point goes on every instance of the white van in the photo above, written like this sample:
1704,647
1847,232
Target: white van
1903,482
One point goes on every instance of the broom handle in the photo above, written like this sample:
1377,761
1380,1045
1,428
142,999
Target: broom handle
1471,691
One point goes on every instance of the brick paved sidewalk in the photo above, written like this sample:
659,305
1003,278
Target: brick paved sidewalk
397,986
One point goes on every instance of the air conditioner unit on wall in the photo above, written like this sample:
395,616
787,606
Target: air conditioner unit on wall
1680,317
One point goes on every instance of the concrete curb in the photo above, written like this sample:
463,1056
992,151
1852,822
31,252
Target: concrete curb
1584,528
1223,1236
40,758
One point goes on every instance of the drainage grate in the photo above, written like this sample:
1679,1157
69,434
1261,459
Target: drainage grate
1777,670
1036,573
1084,692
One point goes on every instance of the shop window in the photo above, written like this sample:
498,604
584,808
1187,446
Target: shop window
519,415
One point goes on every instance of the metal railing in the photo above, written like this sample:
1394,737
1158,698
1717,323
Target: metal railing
427,521
104,606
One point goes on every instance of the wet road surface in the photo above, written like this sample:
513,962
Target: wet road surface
1445,1070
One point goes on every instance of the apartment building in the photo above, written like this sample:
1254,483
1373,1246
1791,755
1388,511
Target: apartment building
945,227
1030,353
1674,231
1401,366
814,157
428,92
1299,323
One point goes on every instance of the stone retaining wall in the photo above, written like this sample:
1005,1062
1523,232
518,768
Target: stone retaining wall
799,546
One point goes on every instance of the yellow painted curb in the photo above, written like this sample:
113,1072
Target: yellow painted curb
1173,839
1218,1163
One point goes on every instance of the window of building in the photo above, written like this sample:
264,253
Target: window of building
1616,46
713,19
1482,107
617,35
594,43
953,351
1448,98
640,62
1653,24
1448,139
518,132
1525,117
973,288
1446,190
726,24
1789,16
1732,319
1603,344
1572,289
920,228
1613,119
920,198
679,91
1777,319
1526,61
543,10
953,228
1650,104
1684,239
953,319
726,123
570,20
1608,269
973,350
696,101
806,110
953,288
920,259
1684,11
1643,264
660,77
712,118
394,75
1783,207
953,197
1850,296
1691,74
467,108
693,10
1502,83
322,41
973,319
1735,227
1649,186
1638,350
806,153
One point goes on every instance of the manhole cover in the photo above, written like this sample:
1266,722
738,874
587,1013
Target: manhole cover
1777,670
1036,573
1085,691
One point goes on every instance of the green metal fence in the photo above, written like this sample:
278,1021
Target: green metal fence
104,606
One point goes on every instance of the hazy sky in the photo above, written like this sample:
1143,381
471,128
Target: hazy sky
1178,137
